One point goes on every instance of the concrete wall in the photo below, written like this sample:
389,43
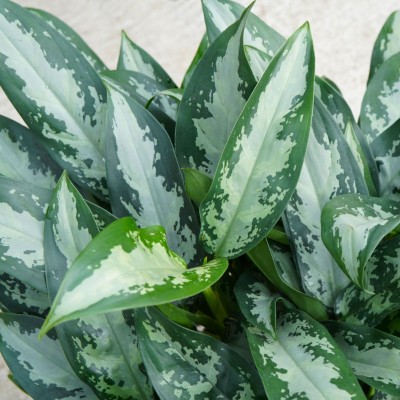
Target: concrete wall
343,31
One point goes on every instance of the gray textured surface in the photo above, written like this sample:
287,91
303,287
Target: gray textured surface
343,32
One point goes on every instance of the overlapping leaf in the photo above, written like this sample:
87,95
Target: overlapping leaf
145,179
329,170
93,344
56,92
213,100
22,212
68,33
271,263
373,355
133,58
387,43
379,108
219,14
257,303
22,157
262,159
185,364
304,362
39,367
387,155
125,267
352,227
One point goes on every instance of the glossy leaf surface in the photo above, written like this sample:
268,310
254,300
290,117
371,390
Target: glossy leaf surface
57,93
93,345
329,170
373,355
68,33
185,364
304,362
133,58
126,267
145,179
387,43
23,158
352,227
39,367
262,159
213,100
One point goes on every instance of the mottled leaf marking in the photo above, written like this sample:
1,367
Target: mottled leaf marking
21,298
303,362
387,43
387,155
379,106
23,158
373,355
58,94
126,267
168,349
39,367
219,14
213,100
258,61
384,396
329,170
68,33
257,303
93,345
22,211
352,227
262,159
145,179
134,58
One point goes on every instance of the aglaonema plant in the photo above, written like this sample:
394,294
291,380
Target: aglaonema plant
233,238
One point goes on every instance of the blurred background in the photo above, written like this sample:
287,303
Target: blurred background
170,30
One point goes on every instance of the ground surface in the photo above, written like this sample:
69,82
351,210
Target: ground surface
343,31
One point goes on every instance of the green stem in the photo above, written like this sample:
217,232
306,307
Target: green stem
278,236
215,304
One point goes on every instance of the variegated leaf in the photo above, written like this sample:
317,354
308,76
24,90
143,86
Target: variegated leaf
387,43
134,58
212,370
21,298
38,366
213,100
93,344
23,158
342,114
22,212
144,176
100,215
125,267
304,362
359,155
257,303
68,33
379,109
329,170
203,46
57,93
219,14
373,355
384,396
142,89
358,306
269,261
262,159
258,61
352,226
387,155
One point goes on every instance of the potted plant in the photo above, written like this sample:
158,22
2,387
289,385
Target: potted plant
236,237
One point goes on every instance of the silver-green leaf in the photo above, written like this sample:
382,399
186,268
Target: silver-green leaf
304,362
262,159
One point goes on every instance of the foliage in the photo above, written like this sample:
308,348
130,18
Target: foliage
234,238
